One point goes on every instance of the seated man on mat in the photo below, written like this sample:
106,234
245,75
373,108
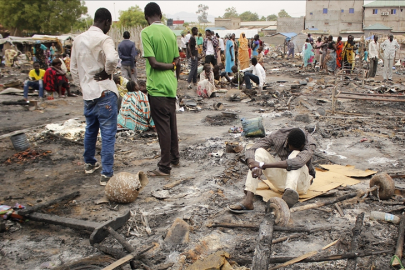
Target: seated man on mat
291,171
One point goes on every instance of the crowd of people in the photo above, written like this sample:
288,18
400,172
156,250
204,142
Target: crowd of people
213,58
94,60
331,56
122,101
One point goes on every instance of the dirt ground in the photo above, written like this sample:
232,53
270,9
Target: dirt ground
211,183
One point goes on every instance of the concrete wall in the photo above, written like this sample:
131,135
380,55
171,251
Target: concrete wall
379,33
288,25
395,21
335,20
228,23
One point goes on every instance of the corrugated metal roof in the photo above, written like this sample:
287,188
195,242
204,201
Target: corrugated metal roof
385,3
377,26
289,35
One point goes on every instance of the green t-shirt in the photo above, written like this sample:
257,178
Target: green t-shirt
200,41
160,42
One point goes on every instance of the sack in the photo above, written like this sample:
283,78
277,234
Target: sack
253,127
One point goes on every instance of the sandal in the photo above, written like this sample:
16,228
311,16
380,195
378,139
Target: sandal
239,211
72,95
157,173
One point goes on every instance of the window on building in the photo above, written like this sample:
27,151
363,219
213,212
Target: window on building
342,10
326,23
349,24
393,11
325,11
311,13
351,10
375,11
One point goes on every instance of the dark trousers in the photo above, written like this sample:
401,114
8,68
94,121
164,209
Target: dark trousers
193,70
248,77
373,67
163,112
210,59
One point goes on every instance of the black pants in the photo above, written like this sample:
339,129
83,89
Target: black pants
210,59
193,70
249,76
373,67
163,112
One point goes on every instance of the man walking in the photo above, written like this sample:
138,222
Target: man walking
193,52
93,61
127,53
374,53
210,47
390,46
162,59
290,46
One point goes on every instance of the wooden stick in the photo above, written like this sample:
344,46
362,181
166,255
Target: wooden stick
261,259
128,258
38,207
295,260
352,263
342,256
276,228
400,241
372,99
282,239
339,210
335,200
123,242
175,183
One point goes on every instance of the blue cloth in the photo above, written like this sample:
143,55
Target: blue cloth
249,76
254,51
127,53
230,54
308,54
101,113
37,85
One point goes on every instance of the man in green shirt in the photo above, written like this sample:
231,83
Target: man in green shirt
200,42
162,72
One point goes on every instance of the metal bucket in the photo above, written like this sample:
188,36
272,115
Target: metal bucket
20,142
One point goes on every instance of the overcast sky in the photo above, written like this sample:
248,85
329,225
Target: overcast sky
216,8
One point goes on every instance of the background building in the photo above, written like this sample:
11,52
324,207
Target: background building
390,14
334,17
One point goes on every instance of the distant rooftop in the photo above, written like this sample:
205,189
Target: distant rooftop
385,3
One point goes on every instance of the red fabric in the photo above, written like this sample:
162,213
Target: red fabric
339,50
52,80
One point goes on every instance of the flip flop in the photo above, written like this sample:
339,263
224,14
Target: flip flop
157,173
72,95
238,211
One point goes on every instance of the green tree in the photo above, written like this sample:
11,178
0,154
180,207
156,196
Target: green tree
202,10
248,16
230,13
133,16
262,18
41,16
272,17
283,14
83,23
